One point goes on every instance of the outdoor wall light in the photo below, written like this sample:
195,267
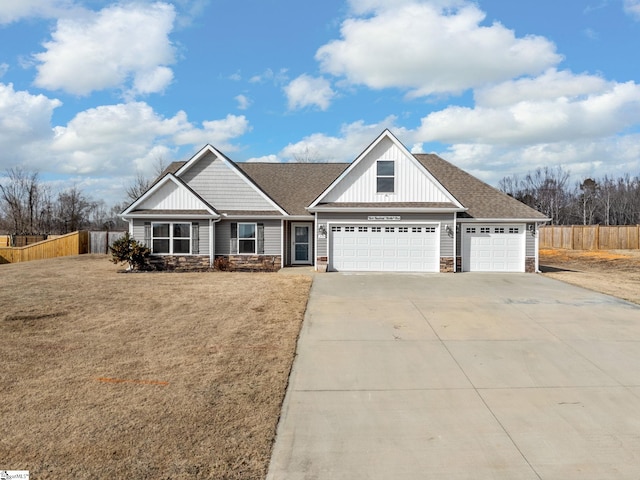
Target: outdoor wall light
448,230
322,231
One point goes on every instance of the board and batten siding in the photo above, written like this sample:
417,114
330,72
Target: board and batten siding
412,183
172,197
272,236
138,231
223,186
326,219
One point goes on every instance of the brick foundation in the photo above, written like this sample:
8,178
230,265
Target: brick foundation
180,263
446,265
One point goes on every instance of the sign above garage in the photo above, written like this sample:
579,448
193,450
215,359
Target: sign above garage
384,218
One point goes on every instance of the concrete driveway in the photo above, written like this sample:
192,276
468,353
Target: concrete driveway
468,376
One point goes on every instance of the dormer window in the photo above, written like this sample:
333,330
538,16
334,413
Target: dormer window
385,176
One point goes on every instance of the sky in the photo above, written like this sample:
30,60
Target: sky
93,93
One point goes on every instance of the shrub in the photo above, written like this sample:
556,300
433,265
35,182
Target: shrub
128,250
222,264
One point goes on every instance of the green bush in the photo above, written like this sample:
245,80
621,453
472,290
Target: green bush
128,250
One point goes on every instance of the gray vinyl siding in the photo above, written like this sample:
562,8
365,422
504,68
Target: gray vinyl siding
530,243
446,241
138,231
272,236
223,187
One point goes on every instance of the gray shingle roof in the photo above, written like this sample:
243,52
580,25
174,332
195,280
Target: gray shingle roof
481,199
293,186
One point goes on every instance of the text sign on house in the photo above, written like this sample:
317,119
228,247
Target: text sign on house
384,218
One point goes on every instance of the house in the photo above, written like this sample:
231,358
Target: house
388,210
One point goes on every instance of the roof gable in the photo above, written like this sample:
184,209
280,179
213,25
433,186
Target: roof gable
220,182
170,193
413,183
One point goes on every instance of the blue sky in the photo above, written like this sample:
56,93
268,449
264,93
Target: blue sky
93,92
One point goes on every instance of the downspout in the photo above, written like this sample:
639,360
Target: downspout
315,241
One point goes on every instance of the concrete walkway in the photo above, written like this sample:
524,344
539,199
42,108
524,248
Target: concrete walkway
466,376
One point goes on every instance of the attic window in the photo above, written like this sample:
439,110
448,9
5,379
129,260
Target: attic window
385,176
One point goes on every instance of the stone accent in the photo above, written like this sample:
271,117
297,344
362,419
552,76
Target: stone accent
458,264
530,265
254,263
446,265
180,263
322,264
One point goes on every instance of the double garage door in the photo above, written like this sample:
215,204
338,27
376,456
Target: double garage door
384,248
493,248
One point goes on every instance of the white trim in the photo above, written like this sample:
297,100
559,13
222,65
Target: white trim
255,238
168,177
502,220
171,238
311,246
390,209
385,134
431,223
210,149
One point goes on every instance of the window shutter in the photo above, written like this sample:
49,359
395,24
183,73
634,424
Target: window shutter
261,239
147,234
233,244
195,238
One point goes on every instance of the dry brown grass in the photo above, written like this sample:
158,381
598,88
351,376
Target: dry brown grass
614,272
145,376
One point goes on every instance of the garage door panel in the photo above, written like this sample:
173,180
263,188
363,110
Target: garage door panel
493,248
400,248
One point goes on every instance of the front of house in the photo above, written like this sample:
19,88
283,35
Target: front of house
388,210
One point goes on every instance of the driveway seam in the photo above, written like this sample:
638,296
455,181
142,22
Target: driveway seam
482,399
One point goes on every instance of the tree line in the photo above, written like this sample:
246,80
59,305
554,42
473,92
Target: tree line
28,206
602,201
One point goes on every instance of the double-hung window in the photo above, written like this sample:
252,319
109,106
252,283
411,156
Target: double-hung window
171,238
385,176
247,238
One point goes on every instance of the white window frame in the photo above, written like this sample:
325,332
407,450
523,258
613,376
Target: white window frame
254,238
383,176
171,238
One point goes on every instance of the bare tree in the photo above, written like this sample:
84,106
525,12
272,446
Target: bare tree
23,198
142,182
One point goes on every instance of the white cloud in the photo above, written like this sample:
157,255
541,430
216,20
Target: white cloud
25,122
243,101
552,108
4,68
109,49
13,11
215,132
307,91
632,8
431,48
353,138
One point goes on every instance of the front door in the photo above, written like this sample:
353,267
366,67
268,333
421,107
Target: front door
300,243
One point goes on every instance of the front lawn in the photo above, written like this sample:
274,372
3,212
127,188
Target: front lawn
147,375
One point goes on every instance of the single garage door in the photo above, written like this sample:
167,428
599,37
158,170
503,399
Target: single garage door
384,248
493,248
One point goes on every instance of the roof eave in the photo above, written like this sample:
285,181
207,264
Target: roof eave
390,209
504,220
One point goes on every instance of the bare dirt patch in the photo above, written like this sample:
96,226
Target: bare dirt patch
146,376
614,272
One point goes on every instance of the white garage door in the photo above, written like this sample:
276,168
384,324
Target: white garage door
384,248
493,248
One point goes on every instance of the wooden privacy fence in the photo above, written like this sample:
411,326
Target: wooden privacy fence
99,242
75,243
590,237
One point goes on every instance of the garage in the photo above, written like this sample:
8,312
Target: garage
493,248
384,248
